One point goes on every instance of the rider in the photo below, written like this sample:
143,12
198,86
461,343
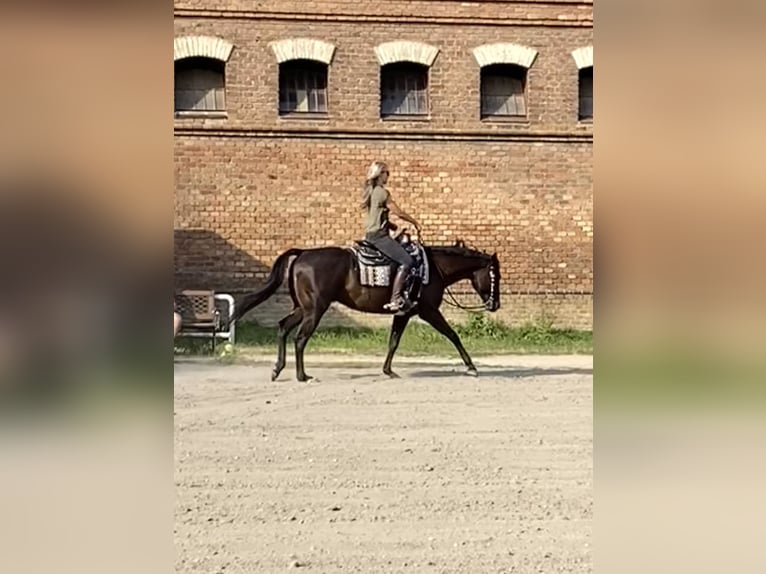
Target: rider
377,203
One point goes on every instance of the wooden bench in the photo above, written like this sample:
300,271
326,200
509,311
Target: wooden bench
205,314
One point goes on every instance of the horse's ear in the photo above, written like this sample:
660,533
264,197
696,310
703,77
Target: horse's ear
459,243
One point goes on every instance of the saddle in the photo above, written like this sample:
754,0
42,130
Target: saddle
377,270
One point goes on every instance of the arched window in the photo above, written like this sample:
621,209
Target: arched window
586,94
199,85
403,89
302,87
503,91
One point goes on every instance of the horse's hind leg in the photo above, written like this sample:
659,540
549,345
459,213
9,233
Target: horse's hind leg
311,318
286,325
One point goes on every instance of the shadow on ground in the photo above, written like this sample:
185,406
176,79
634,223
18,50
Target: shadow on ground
509,372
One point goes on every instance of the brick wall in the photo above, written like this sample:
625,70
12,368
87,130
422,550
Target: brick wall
253,184
448,12
252,74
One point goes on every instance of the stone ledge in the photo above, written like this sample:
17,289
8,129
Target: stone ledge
303,49
504,53
392,52
201,47
583,57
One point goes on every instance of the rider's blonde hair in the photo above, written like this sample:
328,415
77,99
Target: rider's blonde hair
373,173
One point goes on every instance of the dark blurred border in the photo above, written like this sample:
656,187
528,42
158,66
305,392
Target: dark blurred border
680,284
86,192
86,199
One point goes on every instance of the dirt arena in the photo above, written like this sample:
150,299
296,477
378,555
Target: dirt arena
435,472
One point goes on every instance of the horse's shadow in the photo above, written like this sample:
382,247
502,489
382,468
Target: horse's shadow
505,372
497,372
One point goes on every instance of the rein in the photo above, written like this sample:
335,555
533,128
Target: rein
455,303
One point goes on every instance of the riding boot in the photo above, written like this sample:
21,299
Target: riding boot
398,301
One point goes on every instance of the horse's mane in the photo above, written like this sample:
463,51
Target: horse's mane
459,248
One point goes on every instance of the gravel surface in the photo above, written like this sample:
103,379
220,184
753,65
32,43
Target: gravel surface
433,472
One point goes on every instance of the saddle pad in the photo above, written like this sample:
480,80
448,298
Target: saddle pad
375,276
377,271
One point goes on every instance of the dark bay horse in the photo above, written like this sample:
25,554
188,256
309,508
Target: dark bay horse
320,276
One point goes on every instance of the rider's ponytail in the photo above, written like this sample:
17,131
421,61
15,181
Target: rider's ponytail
373,173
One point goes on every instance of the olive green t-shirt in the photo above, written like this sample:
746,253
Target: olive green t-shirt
377,214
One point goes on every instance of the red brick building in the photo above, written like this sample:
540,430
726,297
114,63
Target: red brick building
483,111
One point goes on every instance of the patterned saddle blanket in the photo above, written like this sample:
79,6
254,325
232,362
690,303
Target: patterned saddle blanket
377,270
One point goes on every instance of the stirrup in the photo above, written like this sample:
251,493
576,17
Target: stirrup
401,305
394,305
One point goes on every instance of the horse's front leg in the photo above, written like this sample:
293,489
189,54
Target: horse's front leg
434,318
397,328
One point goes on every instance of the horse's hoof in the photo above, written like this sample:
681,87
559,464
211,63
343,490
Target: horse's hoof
472,372
276,371
304,378
391,374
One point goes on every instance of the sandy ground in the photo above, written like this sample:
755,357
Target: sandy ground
434,472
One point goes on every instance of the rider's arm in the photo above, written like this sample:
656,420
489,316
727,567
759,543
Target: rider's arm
398,212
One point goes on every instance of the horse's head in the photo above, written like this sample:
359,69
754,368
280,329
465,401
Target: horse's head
486,282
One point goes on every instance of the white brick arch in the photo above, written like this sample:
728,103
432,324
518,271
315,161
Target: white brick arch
201,47
403,51
303,49
504,53
583,57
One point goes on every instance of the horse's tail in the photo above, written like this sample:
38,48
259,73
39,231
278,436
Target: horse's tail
276,278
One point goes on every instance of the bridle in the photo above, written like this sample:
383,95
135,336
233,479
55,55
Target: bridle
485,306
490,302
